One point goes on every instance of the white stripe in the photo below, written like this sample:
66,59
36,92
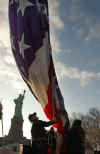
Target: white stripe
38,72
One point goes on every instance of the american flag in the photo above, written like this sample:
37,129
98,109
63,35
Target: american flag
30,42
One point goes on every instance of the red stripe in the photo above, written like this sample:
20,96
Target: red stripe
50,108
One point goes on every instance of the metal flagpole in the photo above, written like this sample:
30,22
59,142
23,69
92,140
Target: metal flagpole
1,118
2,127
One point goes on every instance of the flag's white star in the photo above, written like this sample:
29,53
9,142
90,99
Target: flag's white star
12,42
12,2
23,46
23,4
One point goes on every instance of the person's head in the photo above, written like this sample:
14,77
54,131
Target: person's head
32,117
77,123
51,129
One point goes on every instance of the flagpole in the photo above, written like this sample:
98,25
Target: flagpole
1,118
2,127
52,95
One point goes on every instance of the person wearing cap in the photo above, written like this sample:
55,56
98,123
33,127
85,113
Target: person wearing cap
76,138
38,133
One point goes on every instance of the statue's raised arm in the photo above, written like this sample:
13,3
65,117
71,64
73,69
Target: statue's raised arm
19,102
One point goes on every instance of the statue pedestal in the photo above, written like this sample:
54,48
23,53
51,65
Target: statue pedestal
15,134
16,127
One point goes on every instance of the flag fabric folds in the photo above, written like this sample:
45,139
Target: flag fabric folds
30,42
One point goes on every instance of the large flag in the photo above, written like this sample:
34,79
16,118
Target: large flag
30,42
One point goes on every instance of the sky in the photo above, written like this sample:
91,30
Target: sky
75,41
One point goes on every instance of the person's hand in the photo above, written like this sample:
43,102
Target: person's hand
55,121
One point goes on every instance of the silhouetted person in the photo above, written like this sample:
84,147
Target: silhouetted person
52,140
39,136
96,152
27,149
76,138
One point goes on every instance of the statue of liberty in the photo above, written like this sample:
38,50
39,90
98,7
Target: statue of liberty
18,104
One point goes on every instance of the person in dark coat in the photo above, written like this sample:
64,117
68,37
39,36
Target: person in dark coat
39,135
76,138
52,140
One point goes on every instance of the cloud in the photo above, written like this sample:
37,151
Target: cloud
56,24
2,15
94,30
4,25
75,10
4,5
85,20
55,15
9,74
55,43
9,60
68,51
3,12
74,73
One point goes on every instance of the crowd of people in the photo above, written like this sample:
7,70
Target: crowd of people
44,141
